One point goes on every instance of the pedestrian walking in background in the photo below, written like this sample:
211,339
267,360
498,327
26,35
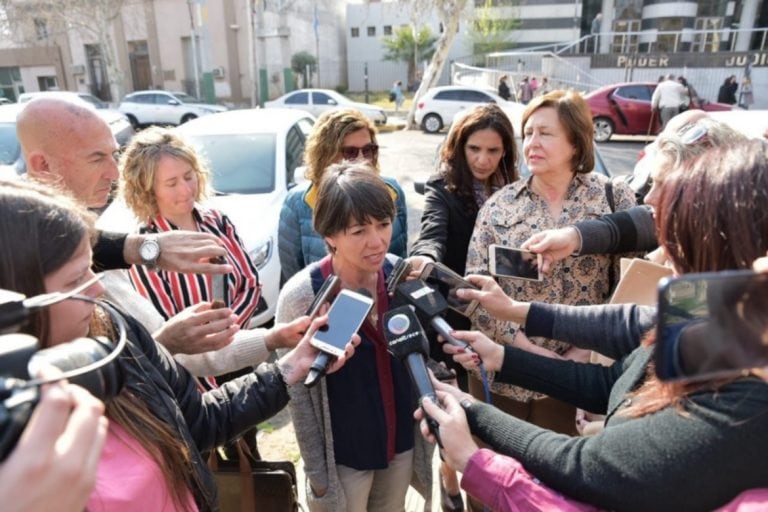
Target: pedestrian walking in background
525,94
396,95
504,91
746,96
544,88
668,97
595,31
727,93
693,100
534,86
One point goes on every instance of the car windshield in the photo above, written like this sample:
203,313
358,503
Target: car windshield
9,144
186,98
239,164
93,100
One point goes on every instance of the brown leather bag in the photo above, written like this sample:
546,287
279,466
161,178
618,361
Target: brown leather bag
250,484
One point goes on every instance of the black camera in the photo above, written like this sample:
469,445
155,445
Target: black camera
87,362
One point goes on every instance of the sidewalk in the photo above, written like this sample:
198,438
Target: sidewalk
280,444
395,121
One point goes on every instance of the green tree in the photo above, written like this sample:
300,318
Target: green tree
305,65
403,46
489,33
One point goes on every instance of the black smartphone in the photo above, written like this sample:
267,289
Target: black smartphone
329,288
219,287
447,282
515,263
399,272
345,317
712,324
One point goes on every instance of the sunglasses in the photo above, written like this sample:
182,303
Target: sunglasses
369,152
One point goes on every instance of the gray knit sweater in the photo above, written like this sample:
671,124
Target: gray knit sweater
696,458
312,419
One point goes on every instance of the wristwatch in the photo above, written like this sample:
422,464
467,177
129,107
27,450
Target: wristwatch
149,251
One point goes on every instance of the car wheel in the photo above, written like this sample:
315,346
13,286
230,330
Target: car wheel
603,128
134,122
432,123
188,117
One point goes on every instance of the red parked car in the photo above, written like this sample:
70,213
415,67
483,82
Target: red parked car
625,109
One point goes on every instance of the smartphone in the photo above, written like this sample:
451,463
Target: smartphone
329,288
711,325
399,272
345,317
219,287
447,282
514,263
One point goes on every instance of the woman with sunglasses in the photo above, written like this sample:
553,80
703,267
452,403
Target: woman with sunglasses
338,135
160,423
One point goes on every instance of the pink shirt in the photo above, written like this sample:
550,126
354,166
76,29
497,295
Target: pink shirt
128,479
502,484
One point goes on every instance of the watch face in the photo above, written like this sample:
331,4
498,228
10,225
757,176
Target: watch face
149,250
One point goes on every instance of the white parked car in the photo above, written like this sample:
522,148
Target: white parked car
118,123
11,163
253,156
437,108
163,107
317,101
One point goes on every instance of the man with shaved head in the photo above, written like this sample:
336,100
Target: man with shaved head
67,144
70,145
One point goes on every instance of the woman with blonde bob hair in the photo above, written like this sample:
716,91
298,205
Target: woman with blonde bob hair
338,135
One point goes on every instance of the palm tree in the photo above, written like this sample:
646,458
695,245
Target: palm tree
402,46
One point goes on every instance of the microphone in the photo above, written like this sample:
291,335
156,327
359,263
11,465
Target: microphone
406,341
429,304
324,360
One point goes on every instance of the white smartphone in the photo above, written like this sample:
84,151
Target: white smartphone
447,282
514,263
345,317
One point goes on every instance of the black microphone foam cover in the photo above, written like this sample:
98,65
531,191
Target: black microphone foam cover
404,333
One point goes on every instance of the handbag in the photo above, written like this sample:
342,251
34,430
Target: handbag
251,484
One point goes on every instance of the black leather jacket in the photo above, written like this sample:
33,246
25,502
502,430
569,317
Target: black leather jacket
203,420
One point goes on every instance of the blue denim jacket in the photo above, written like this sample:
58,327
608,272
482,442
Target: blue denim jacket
298,243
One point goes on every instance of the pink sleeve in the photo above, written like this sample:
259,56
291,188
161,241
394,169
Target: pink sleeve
502,484
754,500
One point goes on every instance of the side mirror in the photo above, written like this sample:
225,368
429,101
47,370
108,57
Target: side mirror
332,102
173,102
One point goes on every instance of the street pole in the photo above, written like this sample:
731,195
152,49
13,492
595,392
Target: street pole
366,81
316,27
193,38
252,52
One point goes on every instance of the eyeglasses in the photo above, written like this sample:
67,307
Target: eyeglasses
369,152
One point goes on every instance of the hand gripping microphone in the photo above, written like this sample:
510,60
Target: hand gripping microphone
407,342
429,304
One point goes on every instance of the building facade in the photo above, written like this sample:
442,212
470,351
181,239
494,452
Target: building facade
167,43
